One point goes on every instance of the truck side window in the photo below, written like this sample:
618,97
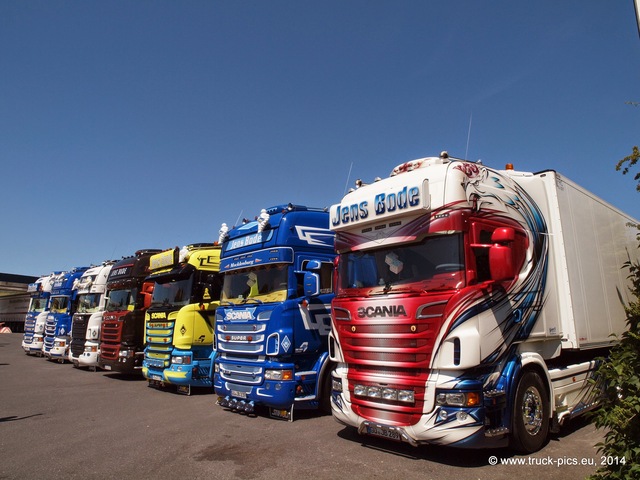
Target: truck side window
215,285
482,255
326,278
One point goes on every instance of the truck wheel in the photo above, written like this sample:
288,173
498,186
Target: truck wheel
530,414
325,399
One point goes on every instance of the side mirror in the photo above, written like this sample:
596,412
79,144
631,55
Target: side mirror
147,293
311,284
313,265
501,262
146,300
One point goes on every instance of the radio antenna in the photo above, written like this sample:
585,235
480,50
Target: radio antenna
238,219
346,185
466,153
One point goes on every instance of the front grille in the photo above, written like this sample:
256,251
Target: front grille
109,352
247,338
389,358
78,334
392,352
394,416
398,344
385,370
159,344
50,328
240,347
30,324
111,332
247,374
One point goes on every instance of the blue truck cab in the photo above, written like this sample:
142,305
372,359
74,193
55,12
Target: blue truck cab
62,306
273,322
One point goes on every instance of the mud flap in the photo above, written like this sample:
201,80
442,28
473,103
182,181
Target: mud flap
183,389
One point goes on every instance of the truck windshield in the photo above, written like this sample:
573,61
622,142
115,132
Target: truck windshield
171,292
262,284
59,304
37,305
122,299
89,303
436,263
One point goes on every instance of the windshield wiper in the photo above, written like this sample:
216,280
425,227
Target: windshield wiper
389,287
252,299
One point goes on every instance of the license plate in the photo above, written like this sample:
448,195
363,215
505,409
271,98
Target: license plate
237,394
284,414
156,377
384,432
107,367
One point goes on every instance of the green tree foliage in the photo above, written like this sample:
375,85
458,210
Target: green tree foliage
628,162
619,415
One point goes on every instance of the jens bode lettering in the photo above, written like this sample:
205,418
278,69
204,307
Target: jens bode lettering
383,204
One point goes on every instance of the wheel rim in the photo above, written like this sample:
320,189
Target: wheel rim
532,411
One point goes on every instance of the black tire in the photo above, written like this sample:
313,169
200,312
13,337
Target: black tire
325,399
530,414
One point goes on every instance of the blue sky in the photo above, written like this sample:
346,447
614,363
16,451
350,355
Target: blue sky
146,124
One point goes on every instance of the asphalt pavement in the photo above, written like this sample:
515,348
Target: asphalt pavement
60,422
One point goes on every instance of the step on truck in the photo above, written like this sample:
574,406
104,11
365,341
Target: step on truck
36,318
179,324
62,305
471,303
128,297
273,320
86,322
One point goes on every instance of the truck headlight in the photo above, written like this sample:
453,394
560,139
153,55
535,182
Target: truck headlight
390,394
374,392
406,396
360,390
458,399
278,374
59,343
181,359
336,385
384,393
